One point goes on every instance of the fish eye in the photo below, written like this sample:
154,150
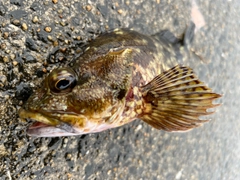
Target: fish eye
62,80
63,84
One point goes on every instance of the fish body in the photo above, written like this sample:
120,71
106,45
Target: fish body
121,76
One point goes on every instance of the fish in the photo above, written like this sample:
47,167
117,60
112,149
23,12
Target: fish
121,76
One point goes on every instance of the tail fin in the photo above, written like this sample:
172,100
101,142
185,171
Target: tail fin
175,99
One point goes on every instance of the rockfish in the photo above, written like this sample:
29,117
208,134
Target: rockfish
121,76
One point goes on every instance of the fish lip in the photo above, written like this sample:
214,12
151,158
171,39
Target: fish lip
43,126
37,116
39,129
36,125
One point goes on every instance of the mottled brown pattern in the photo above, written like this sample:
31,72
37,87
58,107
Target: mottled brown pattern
105,88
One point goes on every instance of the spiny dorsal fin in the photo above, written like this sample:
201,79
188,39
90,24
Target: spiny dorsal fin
175,99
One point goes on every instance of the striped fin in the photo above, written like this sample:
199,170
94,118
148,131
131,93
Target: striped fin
175,99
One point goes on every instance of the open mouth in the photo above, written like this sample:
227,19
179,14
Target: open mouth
24,114
39,129
46,127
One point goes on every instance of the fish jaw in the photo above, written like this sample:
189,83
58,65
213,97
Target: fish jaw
24,114
43,130
44,127
50,127
68,123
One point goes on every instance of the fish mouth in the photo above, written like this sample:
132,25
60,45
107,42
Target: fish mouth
39,129
26,114
45,126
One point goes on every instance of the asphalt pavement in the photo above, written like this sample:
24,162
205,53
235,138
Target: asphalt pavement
37,36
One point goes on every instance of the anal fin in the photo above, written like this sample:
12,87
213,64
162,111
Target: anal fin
175,99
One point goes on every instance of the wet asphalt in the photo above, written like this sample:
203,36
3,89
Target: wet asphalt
36,37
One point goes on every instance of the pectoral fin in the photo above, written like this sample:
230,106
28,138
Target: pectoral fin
175,99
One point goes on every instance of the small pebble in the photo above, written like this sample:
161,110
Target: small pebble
3,79
60,11
63,23
88,7
61,58
16,22
5,35
116,4
44,70
98,13
12,56
63,49
46,3
65,140
5,59
66,41
68,156
3,46
30,58
15,63
50,38
55,1
35,19
48,29
120,11
45,63
24,26
55,43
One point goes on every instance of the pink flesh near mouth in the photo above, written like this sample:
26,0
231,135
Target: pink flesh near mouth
37,125
39,129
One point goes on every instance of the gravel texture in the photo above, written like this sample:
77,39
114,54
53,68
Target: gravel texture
37,36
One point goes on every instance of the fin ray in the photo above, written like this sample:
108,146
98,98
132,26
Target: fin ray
175,99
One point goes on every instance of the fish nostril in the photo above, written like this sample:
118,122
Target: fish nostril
84,78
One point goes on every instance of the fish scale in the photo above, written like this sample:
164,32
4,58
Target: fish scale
121,76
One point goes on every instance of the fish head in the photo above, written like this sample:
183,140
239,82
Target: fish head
68,104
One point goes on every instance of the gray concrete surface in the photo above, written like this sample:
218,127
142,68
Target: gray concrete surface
135,151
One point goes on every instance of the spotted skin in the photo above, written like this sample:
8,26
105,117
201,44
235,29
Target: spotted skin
104,88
